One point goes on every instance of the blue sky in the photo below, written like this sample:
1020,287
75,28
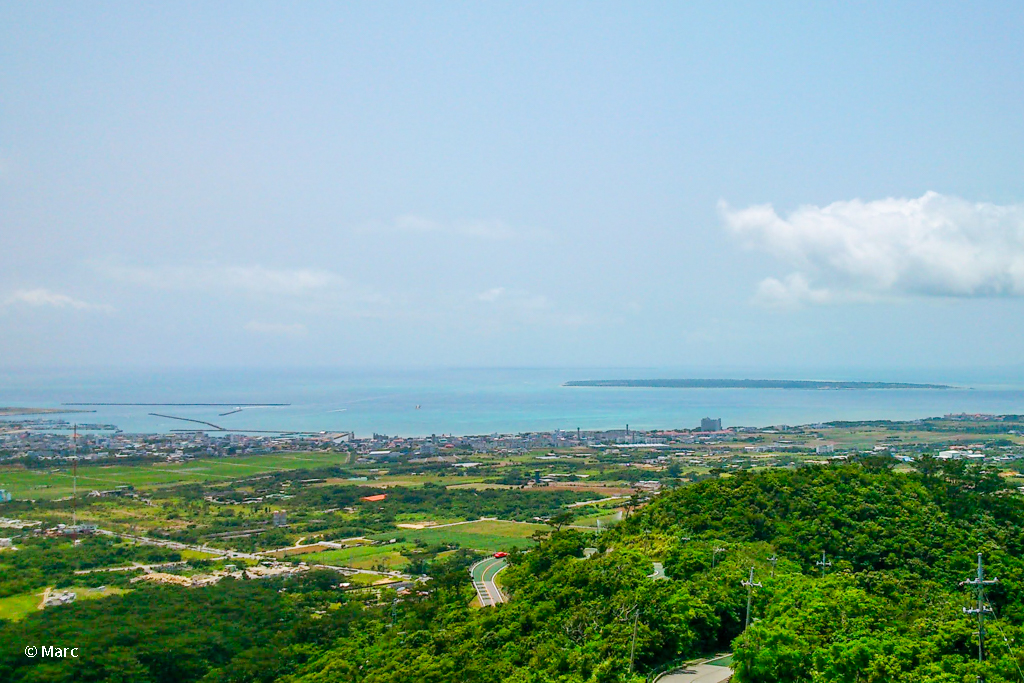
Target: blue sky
512,184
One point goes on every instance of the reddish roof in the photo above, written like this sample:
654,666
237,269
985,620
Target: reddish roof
374,499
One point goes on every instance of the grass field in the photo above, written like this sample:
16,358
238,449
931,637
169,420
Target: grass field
362,579
17,606
413,481
608,519
479,486
57,483
197,555
488,536
86,593
362,557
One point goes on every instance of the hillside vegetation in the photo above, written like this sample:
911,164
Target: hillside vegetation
887,608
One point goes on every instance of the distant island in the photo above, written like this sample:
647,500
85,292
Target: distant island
748,384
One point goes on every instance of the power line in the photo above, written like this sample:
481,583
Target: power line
632,648
978,583
74,485
749,583
1006,643
823,563
773,559
714,554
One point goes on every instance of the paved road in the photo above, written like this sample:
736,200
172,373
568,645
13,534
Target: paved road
483,573
699,673
595,502
131,567
174,545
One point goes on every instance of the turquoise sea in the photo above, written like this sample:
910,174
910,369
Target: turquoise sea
482,401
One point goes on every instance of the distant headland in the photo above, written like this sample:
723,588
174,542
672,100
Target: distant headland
748,384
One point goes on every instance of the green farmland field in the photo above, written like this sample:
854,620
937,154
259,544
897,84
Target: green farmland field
45,484
489,535
361,557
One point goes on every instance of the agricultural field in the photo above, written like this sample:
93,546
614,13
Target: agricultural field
50,483
484,535
373,557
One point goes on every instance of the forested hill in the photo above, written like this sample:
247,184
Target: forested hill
885,607
911,525
888,607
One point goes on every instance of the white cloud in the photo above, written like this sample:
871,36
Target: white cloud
44,298
491,295
482,229
251,279
935,245
790,292
516,299
277,329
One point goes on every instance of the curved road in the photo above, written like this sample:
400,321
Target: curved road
700,673
483,573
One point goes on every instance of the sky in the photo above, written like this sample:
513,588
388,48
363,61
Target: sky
758,185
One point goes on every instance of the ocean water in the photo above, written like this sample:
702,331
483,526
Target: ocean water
475,401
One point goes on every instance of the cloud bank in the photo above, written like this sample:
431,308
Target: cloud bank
44,298
251,279
935,245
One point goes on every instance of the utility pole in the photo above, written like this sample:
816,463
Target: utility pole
978,583
714,554
632,648
749,583
773,559
74,483
822,563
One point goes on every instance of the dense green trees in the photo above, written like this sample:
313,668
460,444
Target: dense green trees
889,608
233,631
41,561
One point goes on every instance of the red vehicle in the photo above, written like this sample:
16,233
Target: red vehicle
501,553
